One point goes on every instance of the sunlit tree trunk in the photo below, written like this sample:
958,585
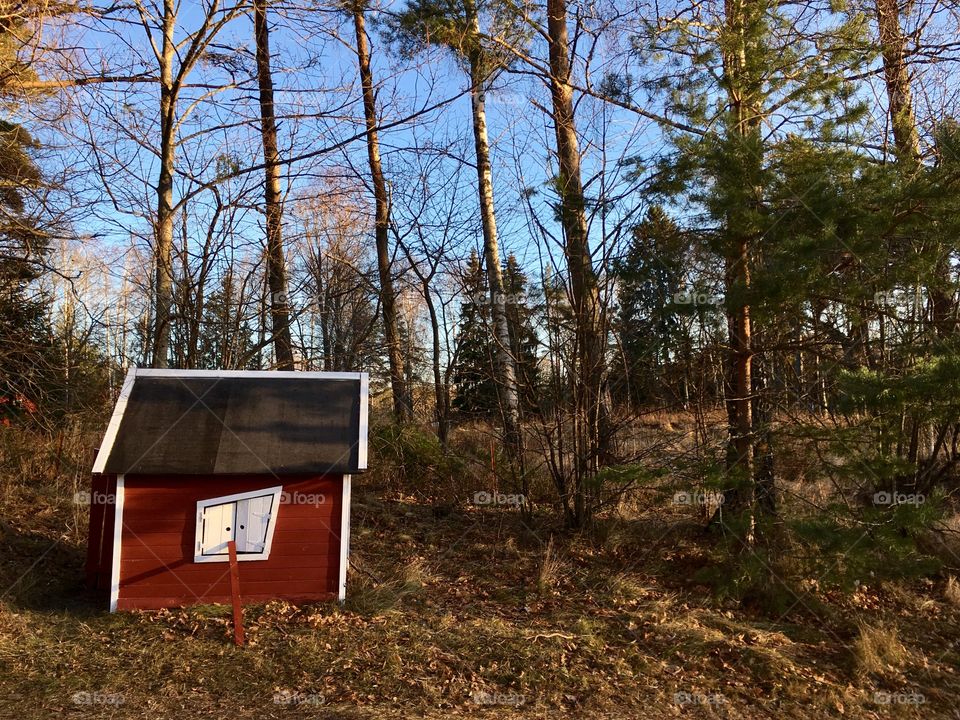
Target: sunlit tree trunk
586,300
743,123
273,201
505,362
402,399
897,80
163,241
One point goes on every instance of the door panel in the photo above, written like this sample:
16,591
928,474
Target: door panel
253,519
219,524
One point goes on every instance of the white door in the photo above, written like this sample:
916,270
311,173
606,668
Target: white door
219,524
253,519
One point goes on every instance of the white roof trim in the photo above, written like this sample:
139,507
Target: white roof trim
156,372
111,434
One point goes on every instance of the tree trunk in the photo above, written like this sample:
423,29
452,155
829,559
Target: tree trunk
163,249
506,364
744,121
586,302
273,201
906,139
740,384
441,395
897,79
402,400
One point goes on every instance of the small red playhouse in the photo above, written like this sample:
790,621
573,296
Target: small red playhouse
192,459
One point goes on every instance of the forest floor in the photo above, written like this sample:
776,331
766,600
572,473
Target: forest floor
471,613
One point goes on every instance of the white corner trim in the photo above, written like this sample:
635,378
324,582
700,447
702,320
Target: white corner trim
117,542
364,421
276,491
344,537
111,434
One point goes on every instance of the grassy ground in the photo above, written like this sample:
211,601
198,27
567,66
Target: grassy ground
466,611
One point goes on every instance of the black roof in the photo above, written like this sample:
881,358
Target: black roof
192,422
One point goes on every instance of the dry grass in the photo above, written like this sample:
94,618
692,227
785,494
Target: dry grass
624,588
448,611
951,591
878,651
550,569
374,596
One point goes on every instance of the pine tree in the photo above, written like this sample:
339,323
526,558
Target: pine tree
476,392
650,275
730,172
27,357
524,343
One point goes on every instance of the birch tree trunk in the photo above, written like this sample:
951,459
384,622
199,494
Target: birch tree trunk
505,361
273,201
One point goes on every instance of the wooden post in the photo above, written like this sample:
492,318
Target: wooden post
235,593
493,466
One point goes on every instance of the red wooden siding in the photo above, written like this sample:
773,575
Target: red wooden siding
158,541
103,490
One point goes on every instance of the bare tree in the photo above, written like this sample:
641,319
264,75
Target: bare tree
273,201
175,59
402,397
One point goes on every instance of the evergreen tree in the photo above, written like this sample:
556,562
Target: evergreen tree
752,61
227,338
476,392
26,338
475,372
654,298
482,35
521,318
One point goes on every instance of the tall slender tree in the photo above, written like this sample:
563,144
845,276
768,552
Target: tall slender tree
402,397
273,200
455,25
893,51
741,173
176,58
588,312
